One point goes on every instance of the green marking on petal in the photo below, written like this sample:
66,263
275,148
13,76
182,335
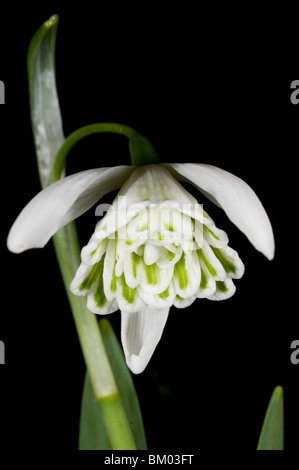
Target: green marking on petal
113,280
96,271
168,227
135,258
164,294
227,264
178,297
99,295
180,272
210,231
98,246
221,286
152,273
203,279
144,227
96,274
128,293
202,256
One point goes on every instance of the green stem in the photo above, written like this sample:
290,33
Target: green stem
142,151
116,423
93,349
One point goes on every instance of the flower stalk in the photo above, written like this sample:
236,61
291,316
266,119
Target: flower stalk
141,150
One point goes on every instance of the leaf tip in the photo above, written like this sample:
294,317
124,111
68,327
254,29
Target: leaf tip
104,325
278,390
52,21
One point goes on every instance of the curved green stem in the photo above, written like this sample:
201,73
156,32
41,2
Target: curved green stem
142,151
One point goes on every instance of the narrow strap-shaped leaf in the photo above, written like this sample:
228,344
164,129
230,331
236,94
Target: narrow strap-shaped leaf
44,103
93,435
272,434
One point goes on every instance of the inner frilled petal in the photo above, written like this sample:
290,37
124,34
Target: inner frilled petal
207,285
175,225
230,261
131,260
152,279
214,236
97,303
224,290
109,275
93,252
154,255
179,302
187,275
162,300
210,263
151,253
169,256
128,299
87,277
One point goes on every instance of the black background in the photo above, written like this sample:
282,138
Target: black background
200,93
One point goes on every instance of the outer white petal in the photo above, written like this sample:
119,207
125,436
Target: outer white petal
60,203
236,198
140,333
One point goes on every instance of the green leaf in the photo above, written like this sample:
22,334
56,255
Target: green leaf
271,437
93,435
44,104
92,429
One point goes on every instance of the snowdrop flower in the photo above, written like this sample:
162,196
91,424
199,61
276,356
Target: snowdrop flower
155,248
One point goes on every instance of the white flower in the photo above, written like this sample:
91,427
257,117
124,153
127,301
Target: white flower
156,246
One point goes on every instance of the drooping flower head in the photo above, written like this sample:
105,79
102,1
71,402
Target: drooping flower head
155,248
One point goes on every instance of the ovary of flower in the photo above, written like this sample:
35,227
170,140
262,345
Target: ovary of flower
155,248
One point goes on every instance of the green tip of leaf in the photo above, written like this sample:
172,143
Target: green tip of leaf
44,103
51,21
278,391
272,433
